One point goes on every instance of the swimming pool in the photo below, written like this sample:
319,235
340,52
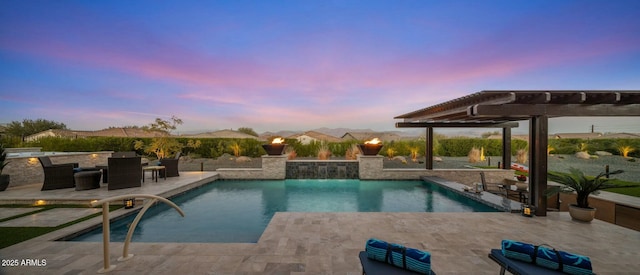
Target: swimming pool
239,211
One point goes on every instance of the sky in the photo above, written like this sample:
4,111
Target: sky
301,65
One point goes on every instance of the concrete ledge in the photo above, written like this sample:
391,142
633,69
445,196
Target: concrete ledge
487,198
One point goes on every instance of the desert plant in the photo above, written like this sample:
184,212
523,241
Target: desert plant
352,152
583,147
391,153
323,152
291,153
625,150
164,145
522,155
474,155
414,154
235,147
576,181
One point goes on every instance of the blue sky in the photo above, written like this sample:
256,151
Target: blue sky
299,65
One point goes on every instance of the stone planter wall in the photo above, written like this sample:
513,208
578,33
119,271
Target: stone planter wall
27,170
273,167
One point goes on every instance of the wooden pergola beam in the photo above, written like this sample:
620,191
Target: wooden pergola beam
524,111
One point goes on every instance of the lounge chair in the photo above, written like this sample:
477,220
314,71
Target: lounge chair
57,176
493,188
170,165
373,267
124,172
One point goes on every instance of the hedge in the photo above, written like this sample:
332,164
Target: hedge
216,147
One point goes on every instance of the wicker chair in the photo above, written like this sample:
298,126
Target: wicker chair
171,166
124,154
124,172
57,176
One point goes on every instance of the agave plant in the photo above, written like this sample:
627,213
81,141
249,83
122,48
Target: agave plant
581,184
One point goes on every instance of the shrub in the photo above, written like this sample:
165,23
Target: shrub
352,152
323,152
474,155
522,156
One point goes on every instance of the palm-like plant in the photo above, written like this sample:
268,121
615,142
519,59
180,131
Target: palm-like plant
581,184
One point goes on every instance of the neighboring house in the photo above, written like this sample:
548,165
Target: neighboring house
224,134
622,135
111,132
586,136
521,137
364,136
310,136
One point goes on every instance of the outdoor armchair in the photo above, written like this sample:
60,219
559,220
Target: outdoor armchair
124,172
171,166
57,176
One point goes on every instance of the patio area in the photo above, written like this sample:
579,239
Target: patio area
318,243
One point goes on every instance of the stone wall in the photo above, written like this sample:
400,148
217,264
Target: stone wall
273,168
322,169
27,170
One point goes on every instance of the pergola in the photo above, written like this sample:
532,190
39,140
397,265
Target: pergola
501,109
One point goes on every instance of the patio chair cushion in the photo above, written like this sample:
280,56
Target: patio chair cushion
518,267
547,257
398,255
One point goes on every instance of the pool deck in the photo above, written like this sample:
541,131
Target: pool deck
315,243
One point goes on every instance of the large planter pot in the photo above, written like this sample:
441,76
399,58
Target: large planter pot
4,182
582,214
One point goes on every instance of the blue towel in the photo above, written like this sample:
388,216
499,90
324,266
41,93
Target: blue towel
400,256
547,257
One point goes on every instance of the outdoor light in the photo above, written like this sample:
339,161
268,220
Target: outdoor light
129,203
527,210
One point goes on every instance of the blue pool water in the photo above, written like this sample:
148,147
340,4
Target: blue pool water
239,211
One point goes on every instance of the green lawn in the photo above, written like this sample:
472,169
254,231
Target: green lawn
14,235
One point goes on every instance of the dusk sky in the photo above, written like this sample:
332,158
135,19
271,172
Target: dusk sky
300,65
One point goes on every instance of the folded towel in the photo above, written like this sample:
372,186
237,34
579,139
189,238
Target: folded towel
398,255
547,257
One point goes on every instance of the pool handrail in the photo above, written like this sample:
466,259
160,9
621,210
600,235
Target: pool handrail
105,224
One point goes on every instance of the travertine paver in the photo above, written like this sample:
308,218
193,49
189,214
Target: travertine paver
328,243
6,212
51,217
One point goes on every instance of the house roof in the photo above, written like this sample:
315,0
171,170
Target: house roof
384,136
316,135
224,134
111,132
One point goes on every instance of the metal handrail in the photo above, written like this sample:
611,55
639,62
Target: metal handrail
105,225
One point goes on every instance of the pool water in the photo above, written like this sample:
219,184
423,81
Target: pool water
239,211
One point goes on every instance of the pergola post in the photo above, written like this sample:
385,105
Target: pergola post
506,148
538,140
428,154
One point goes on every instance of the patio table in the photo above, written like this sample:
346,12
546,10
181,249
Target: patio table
154,172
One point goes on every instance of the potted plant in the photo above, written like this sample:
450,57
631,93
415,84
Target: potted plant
4,179
583,186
